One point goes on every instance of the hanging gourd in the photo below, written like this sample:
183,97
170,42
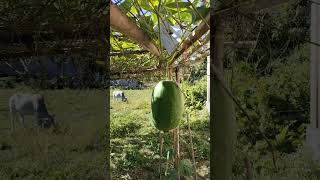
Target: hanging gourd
167,105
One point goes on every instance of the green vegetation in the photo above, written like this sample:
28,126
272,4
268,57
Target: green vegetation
148,15
279,103
135,143
270,79
74,150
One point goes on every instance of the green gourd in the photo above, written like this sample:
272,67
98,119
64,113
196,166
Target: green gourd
167,105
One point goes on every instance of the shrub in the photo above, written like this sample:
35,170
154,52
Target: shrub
195,93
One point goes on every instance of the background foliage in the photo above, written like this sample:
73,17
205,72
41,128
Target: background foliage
271,80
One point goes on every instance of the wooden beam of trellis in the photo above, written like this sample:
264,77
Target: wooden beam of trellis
199,31
185,63
123,24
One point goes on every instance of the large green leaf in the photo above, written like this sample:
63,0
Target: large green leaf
133,10
145,5
154,18
186,17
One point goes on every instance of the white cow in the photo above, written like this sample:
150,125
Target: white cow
119,95
30,104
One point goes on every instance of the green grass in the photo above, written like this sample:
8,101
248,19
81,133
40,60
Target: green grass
75,150
135,141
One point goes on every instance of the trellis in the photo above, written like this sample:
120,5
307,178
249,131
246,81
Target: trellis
219,90
147,43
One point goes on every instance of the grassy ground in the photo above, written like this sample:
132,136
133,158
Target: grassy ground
75,150
135,141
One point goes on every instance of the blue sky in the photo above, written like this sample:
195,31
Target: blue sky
114,1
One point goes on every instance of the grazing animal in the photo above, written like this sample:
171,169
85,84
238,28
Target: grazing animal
30,104
119,95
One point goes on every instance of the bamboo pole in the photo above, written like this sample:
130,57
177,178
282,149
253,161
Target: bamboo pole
161,151
208,84
176,134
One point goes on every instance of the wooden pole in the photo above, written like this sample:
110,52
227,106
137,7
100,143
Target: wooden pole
105,40
176,134
247,165
170,73
313,131
222,116
161,150
62,68
208,84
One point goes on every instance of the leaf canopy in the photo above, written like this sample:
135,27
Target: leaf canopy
147,14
